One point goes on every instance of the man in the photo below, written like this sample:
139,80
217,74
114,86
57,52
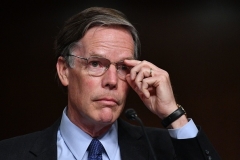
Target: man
97,53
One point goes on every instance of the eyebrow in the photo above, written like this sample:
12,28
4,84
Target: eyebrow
104,56
96,54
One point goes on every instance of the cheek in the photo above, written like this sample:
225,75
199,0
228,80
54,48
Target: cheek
79,86
124,87
81,82
89,88
90,84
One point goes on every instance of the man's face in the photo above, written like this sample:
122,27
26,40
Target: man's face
98,100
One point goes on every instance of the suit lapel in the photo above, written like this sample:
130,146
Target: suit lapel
45,148
131,142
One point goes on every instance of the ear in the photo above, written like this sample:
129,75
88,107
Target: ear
62,70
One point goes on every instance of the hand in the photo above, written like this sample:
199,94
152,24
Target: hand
153,86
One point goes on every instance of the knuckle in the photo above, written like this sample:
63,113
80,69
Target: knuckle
163,77
144,62
166,74
144,81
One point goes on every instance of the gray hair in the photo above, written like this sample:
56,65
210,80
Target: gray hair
76,27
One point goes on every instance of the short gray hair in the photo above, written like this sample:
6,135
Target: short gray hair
75,28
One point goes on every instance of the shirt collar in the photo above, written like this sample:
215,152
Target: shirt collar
78,141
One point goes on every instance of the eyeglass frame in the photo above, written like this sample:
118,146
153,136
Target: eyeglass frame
106,67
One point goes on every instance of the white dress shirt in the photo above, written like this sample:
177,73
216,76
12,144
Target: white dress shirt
72,142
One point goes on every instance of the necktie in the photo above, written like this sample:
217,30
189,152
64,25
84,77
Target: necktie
95,150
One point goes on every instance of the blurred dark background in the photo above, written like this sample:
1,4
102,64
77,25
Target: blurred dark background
197,42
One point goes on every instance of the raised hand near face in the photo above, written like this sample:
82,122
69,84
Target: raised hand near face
153,86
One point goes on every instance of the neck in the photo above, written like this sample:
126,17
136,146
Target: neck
94,129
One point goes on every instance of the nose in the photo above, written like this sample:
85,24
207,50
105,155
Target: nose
110,78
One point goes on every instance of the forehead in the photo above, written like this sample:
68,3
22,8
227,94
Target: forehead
111,42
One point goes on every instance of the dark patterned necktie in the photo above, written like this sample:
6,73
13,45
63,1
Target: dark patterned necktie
95,150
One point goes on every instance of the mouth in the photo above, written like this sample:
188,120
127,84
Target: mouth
108,101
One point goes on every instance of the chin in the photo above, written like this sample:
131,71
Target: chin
108,116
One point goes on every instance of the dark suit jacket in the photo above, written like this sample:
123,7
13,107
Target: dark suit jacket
133,146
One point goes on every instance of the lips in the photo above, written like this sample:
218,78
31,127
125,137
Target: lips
108,101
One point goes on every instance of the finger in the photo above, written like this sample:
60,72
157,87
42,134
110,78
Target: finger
144,64
147,86
143,73
155,82
131,62
133,85
141,86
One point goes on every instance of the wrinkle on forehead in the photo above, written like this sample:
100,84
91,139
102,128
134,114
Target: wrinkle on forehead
110,38
105,40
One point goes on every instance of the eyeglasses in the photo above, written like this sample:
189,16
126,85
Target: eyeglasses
97,66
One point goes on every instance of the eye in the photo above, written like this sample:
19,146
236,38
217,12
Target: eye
94,63
123,67
97,62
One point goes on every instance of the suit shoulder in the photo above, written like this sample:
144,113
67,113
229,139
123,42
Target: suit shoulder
20,139
16,147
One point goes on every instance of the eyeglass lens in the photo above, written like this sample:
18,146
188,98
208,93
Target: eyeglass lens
98,65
